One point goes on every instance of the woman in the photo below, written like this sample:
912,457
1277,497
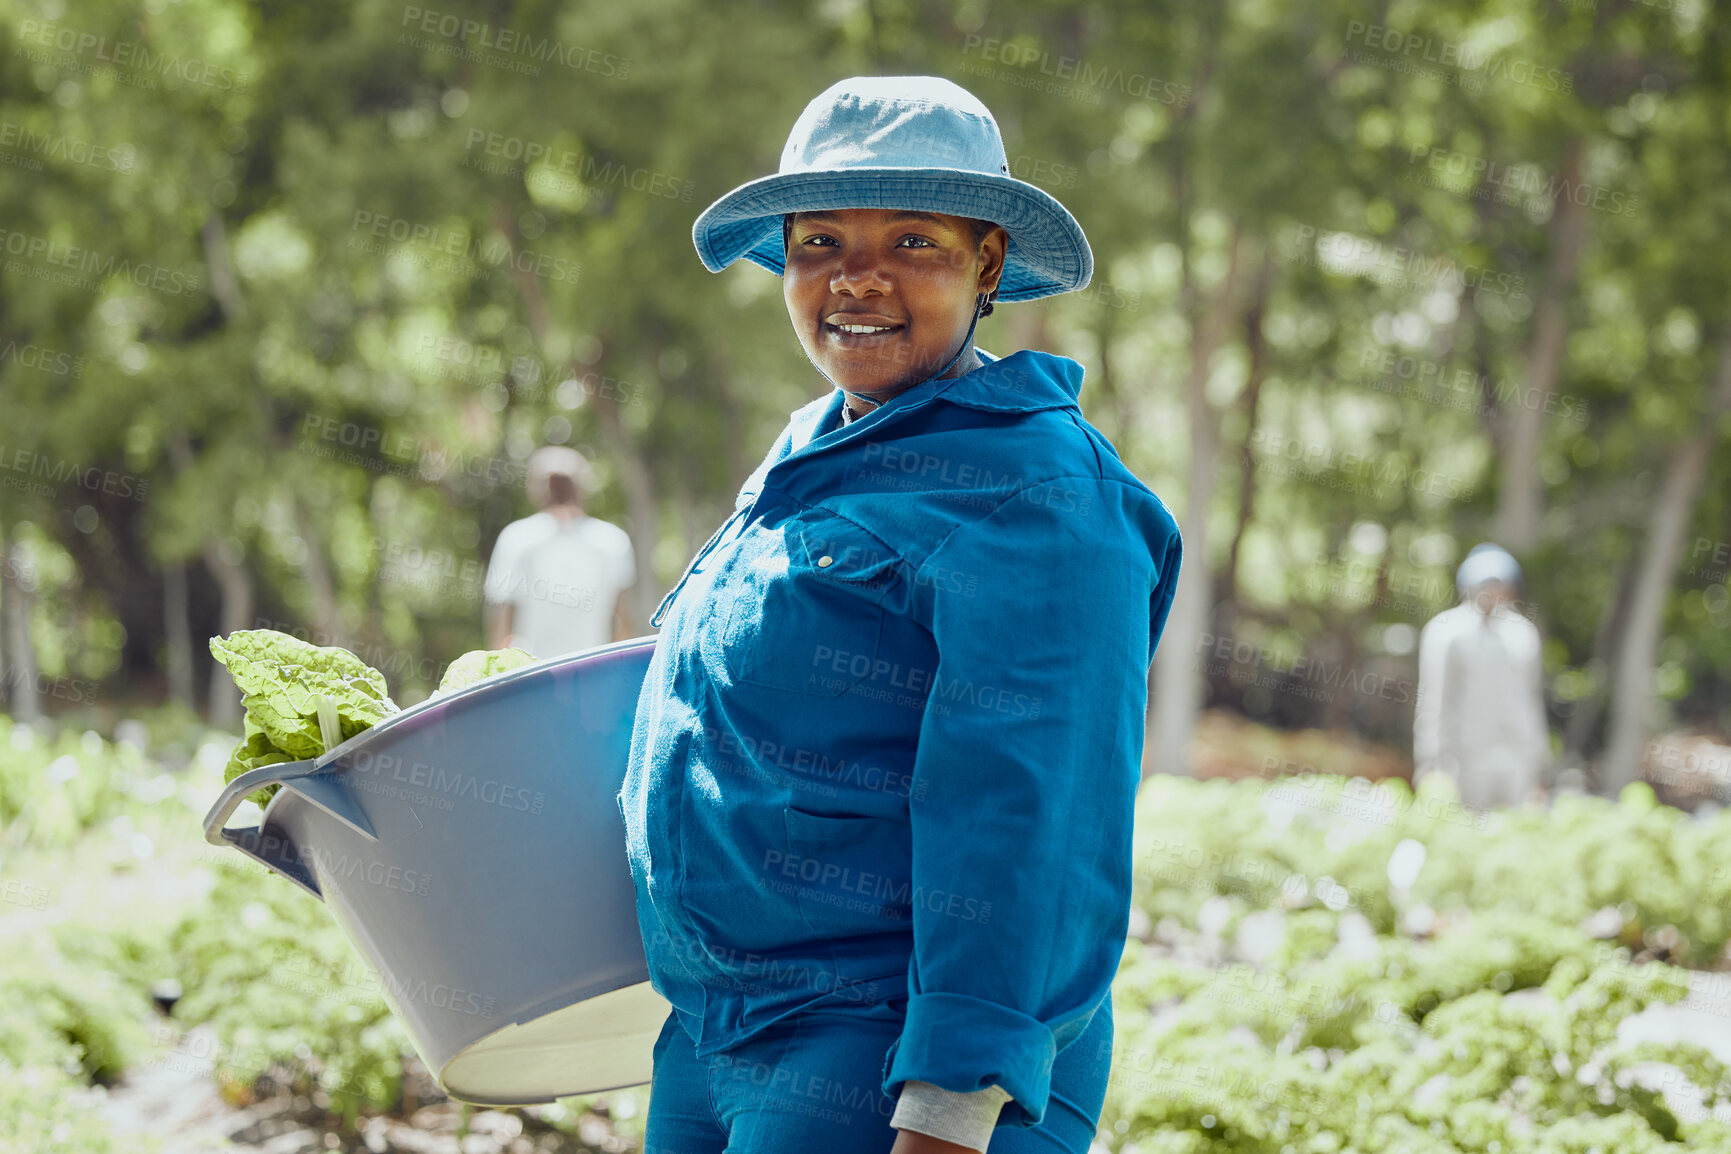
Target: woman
878,806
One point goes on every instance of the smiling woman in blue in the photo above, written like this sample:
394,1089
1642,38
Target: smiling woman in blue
879,800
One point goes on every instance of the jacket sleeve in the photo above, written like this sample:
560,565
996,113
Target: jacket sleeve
1025,779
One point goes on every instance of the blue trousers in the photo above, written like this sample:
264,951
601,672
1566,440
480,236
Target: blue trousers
813,1082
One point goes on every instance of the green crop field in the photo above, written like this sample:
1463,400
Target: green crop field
1316,965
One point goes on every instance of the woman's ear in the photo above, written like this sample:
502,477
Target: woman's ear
994,249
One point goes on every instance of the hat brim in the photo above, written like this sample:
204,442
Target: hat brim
1047,254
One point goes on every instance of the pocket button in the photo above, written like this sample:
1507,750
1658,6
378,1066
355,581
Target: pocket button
806,611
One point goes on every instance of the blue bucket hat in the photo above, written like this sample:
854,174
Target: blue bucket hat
920,143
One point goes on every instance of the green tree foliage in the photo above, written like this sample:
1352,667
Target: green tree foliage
291,291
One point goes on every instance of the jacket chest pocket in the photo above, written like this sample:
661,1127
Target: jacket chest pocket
806,612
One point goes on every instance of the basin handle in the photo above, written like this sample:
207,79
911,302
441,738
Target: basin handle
273,851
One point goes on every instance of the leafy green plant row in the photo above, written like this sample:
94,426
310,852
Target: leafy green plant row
1660,879
1326,967
52,788
74,1009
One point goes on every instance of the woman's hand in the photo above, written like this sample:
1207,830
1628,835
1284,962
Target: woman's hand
913,1142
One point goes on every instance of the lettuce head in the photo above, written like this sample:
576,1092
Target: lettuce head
283,677
480,664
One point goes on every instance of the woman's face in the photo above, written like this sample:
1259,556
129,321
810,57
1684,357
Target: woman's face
881,298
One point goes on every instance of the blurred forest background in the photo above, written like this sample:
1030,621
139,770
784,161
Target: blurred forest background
292,289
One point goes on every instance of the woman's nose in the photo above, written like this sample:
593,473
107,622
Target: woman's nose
858,273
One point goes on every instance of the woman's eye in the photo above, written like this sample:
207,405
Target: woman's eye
918,240
812,239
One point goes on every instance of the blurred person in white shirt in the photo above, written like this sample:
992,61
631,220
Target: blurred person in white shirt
556,579
1480,717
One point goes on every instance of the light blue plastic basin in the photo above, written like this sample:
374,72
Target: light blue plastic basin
472,850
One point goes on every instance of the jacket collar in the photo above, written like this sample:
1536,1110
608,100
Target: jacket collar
1022,382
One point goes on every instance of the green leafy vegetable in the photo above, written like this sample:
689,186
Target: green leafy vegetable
480,664
283,679
255,750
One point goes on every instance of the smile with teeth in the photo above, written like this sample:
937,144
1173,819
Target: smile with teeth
861,324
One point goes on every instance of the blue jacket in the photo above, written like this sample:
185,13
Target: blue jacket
889,743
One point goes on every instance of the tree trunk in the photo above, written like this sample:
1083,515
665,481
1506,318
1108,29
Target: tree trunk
1226,594
639,486
1638,649
20,674
1111,398
634,473
740,461
223,700
685,510
227,565
1520,497
116,565
1584,716
328,622
178,633
1178,684
224,286
6,691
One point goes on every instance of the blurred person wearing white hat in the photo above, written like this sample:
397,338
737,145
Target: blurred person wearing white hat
556,579
1480,718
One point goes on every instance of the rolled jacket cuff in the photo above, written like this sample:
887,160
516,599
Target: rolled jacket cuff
961,1043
